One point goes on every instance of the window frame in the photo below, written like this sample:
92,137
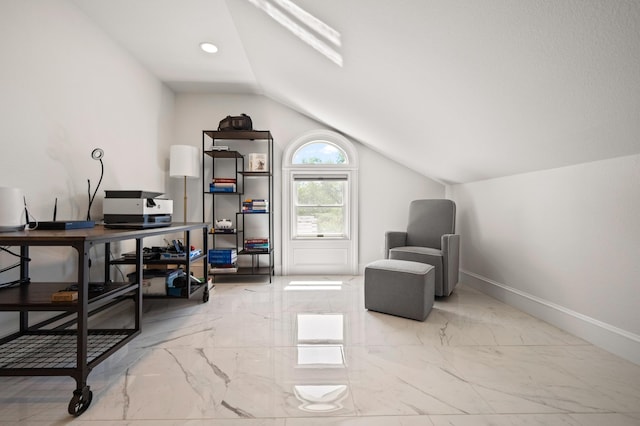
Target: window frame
319,176
309,255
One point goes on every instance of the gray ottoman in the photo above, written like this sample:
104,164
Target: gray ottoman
399,287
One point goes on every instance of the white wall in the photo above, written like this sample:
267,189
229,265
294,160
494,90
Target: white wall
563,244
386,187
65,89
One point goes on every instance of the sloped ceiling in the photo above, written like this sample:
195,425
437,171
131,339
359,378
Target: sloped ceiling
458,90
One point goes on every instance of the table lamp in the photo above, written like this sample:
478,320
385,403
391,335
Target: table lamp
183,162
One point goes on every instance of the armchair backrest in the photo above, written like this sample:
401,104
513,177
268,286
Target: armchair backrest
429,220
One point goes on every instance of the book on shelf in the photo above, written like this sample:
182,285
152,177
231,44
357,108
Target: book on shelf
224,180
256,245
214,187
222,260
223,270
224,265
223,251
256,240
223,231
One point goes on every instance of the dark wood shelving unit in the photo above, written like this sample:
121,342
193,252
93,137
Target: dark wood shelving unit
240,144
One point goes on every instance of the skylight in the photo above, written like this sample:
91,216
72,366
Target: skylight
307,29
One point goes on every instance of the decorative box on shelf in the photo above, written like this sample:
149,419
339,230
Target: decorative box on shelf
156,281
258,162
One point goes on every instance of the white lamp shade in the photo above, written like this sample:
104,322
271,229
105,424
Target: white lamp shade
183,161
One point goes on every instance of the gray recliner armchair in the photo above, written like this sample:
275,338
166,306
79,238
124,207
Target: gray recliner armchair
430,238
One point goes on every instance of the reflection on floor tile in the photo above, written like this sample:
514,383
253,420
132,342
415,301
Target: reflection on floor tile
304,351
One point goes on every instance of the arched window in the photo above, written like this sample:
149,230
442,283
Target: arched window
320,204
320,152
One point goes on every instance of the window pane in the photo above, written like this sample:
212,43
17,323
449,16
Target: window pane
320,220
320,193
319,152
319,208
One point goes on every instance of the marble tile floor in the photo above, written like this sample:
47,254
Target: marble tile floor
304,351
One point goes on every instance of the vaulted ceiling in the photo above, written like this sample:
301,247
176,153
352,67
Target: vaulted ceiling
458,90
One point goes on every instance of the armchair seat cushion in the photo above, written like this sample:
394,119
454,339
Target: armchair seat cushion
419,251
430,256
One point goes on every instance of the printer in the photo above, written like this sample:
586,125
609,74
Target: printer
136,207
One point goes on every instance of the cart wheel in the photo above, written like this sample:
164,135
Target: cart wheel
80,401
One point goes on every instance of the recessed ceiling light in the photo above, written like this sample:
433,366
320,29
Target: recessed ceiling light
209,47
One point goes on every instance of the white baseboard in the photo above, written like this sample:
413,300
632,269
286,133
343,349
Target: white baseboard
613,339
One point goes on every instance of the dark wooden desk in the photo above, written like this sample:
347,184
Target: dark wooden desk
63,345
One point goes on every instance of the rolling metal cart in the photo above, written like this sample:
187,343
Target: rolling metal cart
64,345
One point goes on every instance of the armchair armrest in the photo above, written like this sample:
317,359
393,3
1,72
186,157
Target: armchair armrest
451,260
450,243
394,239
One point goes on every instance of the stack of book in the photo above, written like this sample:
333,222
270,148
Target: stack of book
256,245
223,261
222,185
255,206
